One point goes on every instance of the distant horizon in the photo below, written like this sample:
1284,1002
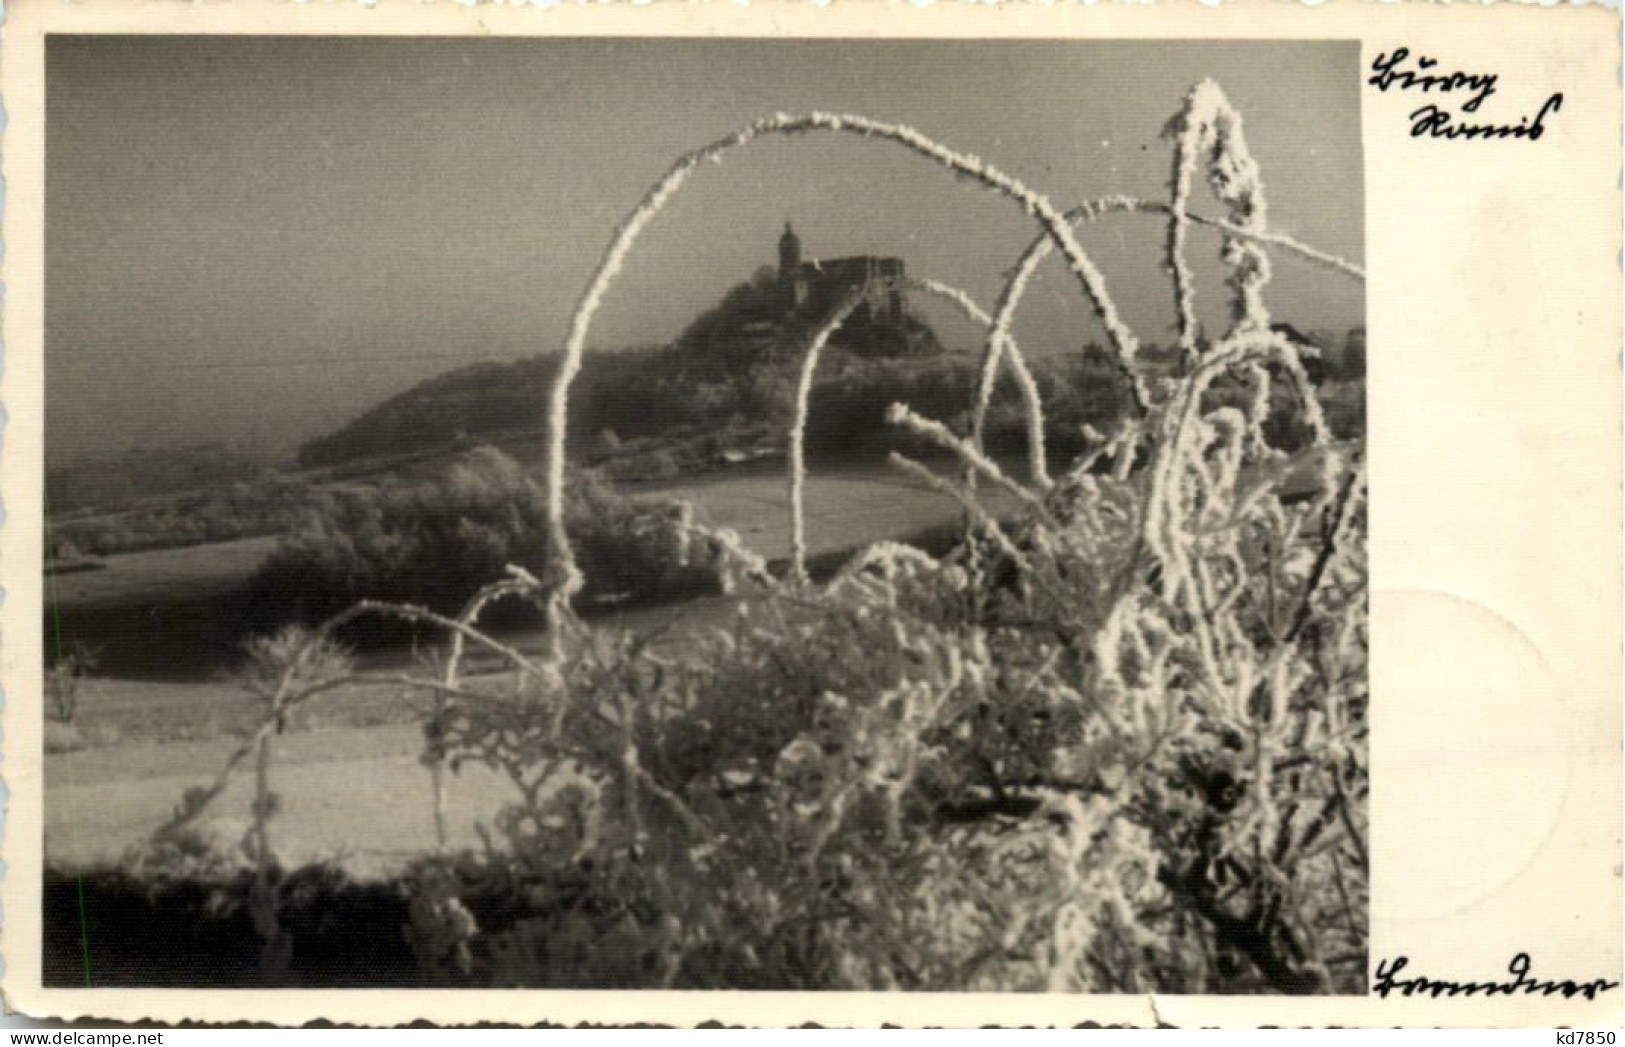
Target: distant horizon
252,241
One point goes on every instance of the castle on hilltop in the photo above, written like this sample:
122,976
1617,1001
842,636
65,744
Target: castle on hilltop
822,283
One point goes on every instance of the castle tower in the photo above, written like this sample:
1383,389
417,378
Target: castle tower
789,252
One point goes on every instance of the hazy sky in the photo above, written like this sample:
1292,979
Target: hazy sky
253,240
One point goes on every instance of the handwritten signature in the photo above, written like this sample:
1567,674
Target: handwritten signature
1387,981
1389,72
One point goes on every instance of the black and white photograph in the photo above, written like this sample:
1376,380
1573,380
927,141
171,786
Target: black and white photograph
705,514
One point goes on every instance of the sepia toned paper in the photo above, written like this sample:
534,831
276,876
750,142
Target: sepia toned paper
1491,303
